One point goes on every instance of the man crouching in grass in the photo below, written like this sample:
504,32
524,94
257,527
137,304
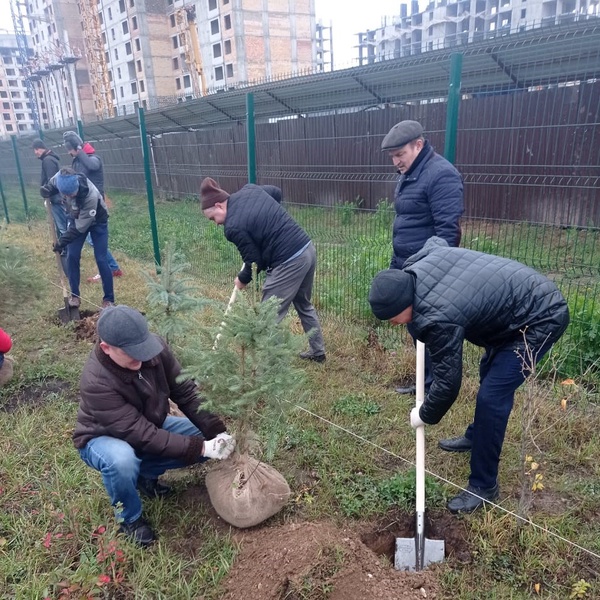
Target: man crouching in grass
124,429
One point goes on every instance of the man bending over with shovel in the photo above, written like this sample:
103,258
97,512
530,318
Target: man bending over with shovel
87,213
448,295
124,429
265,234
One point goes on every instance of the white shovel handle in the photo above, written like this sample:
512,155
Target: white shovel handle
420,431
229,305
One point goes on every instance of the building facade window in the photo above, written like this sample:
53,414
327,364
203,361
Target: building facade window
138,46
128,48
187,82
227,21
125,27
212,4
214,27
227,46
219,73
229,68
175,64
216,50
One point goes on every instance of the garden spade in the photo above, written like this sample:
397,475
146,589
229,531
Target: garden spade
414,554
68,313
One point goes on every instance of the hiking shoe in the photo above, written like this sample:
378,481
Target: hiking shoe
456,444
74,301
320,358
467,502
151,488
107,303
139,532
95,279
117,273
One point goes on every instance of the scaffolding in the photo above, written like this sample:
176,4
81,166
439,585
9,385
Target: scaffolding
16,8
94,51
185,18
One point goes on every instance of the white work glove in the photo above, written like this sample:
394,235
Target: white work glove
415,419
220,447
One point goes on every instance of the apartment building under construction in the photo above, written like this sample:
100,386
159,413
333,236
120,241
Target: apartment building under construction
94,59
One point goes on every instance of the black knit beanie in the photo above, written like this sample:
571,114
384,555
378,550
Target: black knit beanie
392,291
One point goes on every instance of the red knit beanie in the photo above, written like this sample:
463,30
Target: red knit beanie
211,193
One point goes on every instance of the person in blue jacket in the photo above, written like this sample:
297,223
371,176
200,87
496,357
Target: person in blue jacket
428,200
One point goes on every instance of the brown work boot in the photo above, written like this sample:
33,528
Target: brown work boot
74,301
107,303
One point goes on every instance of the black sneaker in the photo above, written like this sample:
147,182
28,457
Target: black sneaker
319,358
151,488
472,498
139,532
456,444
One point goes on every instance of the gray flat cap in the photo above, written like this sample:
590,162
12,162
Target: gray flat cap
402,133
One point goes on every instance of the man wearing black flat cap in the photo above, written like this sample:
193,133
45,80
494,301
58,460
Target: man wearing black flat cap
428,200
124,429
448,295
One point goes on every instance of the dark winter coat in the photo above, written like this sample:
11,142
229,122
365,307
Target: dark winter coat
428,202
86,161
490,301
50,167
133,405
85,209
262,230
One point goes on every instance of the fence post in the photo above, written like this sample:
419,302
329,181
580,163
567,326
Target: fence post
4,203
251,138
149,189
80,129
453,105
22,183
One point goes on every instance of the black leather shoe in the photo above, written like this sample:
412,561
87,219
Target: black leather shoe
466,502
151,488
456,444
138,532
319,358
409,390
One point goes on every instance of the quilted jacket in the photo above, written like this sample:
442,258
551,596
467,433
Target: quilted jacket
490,301
428,201
262,230
132,406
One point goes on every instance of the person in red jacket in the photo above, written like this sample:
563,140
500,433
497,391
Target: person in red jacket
6,367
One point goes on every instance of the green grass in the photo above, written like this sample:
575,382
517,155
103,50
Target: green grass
52,505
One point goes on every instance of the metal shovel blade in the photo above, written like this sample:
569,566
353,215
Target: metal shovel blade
414,554
68,313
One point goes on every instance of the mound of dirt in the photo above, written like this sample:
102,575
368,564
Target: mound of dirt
317,561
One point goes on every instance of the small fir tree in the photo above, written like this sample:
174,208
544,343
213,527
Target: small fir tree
171,298
250,374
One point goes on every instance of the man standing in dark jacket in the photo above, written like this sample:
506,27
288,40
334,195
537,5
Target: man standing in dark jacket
265,234
449,295
124,429
428,200
87,214
50,167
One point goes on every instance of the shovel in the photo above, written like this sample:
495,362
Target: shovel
229,306
414,554
68,313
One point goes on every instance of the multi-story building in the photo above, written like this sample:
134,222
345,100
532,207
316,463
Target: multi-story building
17,110
58,68
219,44
448,23
102,58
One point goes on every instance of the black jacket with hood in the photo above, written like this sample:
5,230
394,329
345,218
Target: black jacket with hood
50,167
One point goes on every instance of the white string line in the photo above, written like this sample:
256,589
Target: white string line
447,481
56,285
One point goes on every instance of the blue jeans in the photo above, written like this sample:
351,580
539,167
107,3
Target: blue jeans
501,372
59,214
99,233
120,466
112,263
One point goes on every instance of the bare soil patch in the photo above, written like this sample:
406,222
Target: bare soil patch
38,394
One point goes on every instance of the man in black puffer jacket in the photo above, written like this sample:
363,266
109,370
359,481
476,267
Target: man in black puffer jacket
265,234
449,295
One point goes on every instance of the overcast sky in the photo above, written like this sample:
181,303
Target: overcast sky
348,17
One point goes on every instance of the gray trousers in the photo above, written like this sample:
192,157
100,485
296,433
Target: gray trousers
292,283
